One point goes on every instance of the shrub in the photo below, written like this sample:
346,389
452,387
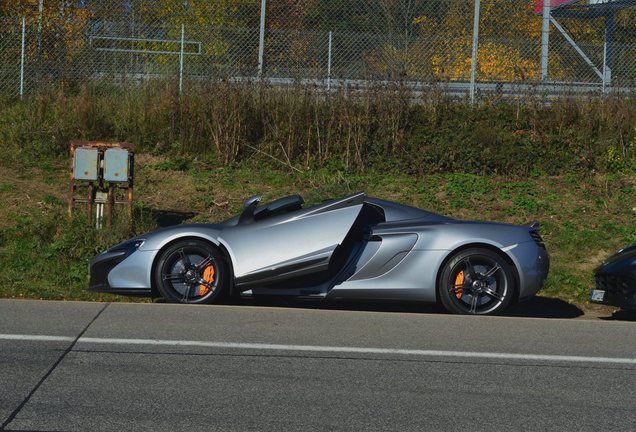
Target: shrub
363,127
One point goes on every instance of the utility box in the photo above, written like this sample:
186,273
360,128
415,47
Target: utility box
116,163
102,175
86,163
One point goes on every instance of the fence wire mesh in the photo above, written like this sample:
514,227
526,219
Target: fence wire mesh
591,43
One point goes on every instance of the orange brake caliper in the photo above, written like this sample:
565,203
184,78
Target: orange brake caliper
459,284
208,276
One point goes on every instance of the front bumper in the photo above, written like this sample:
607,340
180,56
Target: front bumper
103,265
614,289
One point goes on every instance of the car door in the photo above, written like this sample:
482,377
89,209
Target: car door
290,245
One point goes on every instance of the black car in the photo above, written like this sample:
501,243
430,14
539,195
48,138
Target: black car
616,280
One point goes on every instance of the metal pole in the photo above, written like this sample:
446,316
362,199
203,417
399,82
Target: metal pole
71,183
545,40
577,48
22,56
609,44
604,65
473,66
110,203
329,62
40,9
91,199
181,59
261,38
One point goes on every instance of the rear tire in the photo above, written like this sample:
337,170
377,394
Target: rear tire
191,272
476,281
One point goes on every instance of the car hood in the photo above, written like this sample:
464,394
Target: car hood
624,259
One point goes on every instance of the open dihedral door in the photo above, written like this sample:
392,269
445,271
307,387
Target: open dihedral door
291,245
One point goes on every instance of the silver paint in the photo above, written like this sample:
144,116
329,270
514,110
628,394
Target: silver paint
401,260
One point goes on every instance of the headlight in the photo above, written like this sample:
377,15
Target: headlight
128,246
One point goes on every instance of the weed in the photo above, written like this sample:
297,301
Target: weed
175,164
7,187
377,127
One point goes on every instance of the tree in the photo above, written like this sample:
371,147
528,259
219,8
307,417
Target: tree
60,26
378,37
505,26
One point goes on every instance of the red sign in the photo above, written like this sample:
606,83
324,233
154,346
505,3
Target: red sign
538,4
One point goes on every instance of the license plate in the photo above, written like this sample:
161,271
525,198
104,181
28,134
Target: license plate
597,295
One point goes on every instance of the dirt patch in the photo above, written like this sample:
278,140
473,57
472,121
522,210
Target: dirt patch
23,193
166,190
592,261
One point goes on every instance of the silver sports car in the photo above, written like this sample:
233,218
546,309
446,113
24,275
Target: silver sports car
355,247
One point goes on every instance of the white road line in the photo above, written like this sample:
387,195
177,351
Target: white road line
38,338
325,349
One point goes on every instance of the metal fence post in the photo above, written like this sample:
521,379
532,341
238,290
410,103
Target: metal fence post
22,56
261,38
40,10
181,59
473,65
329,61
605,67
545,40
135,45
608,56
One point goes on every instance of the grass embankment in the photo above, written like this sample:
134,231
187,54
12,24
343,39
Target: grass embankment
568,165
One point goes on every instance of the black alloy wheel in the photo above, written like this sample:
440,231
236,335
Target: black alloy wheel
476,281
191,271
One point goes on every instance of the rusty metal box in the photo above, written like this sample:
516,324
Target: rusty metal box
116,165
85,163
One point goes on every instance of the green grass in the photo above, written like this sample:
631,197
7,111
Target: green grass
7,187
584,218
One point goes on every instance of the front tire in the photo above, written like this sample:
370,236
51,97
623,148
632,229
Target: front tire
191,272
476,281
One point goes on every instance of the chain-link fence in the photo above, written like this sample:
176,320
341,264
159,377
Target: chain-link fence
518,44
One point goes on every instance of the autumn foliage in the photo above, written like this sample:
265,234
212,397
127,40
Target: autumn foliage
427,40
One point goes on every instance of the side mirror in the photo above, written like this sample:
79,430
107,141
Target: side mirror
254,200
249,206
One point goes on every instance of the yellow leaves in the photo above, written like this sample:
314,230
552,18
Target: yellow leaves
427,26
499,62
202,20
509,36
220,13
62,26
626,18
17,8
443,50
495,62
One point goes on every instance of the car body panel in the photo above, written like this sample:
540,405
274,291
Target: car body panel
419,283
133,272
392,249
276,243
400,212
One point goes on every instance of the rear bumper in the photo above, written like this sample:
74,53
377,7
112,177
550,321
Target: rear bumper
534,265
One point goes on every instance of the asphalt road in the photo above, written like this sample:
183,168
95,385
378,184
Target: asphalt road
67,366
